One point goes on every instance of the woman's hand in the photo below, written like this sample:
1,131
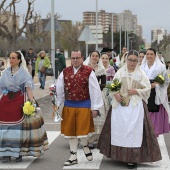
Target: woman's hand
153,85
118,97
132,92
94,113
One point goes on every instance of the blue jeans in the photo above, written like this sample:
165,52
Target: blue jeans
42,78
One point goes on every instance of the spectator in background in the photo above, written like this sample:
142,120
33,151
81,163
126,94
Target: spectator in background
61,61
56,62
29,67
31,56
42,63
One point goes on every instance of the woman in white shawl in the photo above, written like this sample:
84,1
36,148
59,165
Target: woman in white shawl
20,135
95,62
127,134
158,101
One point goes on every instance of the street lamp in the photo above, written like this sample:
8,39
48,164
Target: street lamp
112,32
97,25
128,39
52,38
131,41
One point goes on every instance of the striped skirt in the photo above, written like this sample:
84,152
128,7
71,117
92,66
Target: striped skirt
26,139
34,137
10,140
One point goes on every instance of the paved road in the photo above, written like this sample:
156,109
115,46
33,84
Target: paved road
58,153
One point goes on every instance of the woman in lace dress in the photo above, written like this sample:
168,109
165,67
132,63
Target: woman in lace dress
127,134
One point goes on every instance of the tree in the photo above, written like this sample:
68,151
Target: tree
154,45
68,36
136,40
9,16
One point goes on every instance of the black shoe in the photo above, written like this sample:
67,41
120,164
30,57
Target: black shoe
40,86
130,165
71,162
88,154
6,159
19,159
91,146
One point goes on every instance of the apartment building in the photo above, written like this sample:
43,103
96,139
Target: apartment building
127,21
157,34
139,31
104,19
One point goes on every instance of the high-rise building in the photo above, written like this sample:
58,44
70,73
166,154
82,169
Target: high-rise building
157,34
139,31
104,19
127,21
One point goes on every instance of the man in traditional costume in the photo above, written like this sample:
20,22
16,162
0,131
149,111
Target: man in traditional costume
78,87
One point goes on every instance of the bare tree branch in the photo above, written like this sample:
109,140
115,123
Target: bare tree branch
11,31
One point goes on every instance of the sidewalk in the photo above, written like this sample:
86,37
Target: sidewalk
40,94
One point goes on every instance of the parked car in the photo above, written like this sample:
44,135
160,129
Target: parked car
2,67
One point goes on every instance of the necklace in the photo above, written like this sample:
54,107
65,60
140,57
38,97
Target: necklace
13,70
94,67
150,65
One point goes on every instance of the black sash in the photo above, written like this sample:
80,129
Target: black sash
152,107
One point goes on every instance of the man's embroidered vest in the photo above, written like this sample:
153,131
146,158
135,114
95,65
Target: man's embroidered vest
77,85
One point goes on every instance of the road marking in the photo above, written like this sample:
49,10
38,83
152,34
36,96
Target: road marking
162,164
83,163
52,135
52,123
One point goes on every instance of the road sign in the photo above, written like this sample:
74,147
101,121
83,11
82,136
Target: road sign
86,35
57,26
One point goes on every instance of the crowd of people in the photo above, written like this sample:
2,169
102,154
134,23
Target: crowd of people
92,112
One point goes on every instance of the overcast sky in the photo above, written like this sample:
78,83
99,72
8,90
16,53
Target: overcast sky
150,13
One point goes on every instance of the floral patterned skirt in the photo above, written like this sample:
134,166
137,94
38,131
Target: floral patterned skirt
148,152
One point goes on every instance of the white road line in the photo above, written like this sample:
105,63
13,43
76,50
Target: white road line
52,135
52,123
83,163
164,164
